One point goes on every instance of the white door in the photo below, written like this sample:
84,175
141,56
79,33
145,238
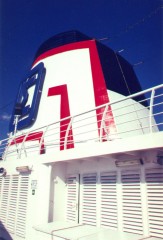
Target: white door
89,199
154,180
13,204
73,198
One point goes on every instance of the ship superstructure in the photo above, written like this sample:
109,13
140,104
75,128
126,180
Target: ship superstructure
84,159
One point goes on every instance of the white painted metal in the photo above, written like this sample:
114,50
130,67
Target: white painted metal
4,200
22,206
131,202
151,110
131,119
154,179
72,184
130,199
13,208
110,190
12,203
126,198
109,199
1,178
89,200
65,230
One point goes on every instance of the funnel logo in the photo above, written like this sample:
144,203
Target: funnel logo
28,99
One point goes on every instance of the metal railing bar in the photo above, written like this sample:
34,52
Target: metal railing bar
111,103
131,130
157,104
151,108
124,114
82,117
159,95
128,105
157,114
81,126
132,120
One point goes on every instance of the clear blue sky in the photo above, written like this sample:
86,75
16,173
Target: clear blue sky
132,25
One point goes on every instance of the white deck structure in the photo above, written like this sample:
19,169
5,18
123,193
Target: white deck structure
107,186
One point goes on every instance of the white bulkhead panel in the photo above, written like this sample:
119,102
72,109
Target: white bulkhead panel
89,199
154,179
14,204
72,184
125,198
131,202
73,70
109,196
90,188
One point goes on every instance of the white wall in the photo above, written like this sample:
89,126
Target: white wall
38,204
58,192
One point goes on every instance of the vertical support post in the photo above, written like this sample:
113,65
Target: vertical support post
42,139
23,145
102,125
151,109
67,136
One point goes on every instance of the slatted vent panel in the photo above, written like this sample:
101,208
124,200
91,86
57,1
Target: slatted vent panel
12,204
1,184
22,206
1,179
154,179
108,200
14,194
72,198
89,199
131,202
4,200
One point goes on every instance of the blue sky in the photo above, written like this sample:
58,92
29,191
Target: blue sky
133,25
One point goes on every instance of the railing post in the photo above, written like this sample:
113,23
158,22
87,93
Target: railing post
23,145
42,138
67,132
6,150
10,140
151,109
102,126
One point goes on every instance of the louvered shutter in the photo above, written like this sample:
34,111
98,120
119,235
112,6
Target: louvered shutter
1,199
108,200
22,205
72,198
89,199
154,179
0,185
4,200
131,202
1,179
12,203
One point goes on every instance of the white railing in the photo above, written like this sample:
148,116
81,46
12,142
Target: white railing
122,118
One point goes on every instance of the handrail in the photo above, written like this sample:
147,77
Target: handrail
85,125
103,105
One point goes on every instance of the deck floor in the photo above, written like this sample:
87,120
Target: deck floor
72,231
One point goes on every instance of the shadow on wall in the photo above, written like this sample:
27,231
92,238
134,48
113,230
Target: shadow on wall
4,234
